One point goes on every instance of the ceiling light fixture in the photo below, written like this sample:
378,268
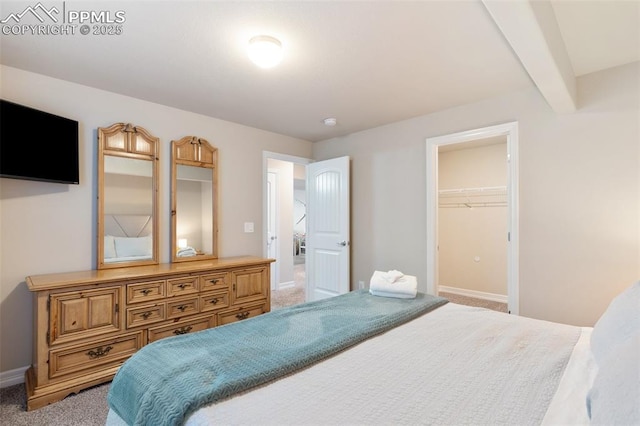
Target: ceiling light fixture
330,121
265,51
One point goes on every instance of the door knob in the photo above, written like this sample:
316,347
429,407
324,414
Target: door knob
343,243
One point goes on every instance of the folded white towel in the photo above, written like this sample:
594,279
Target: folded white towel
392,276
403,287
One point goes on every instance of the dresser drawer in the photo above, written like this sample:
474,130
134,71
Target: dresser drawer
182,286
182,307
217,281
240,313
182,327
81,359
214,301
145,292
145,315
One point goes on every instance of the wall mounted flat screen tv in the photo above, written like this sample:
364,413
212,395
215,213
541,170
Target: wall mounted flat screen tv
37,145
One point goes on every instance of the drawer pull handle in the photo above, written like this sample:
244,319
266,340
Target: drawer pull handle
146,315
183,286
243,315
145,291
183,330
181,308
214,301
214,281
99,352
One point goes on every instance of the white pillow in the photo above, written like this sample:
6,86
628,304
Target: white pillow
128,247
619,322
109,247
614,398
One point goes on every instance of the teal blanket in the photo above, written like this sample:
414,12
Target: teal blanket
169,379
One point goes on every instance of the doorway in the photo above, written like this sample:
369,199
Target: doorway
508,132
324,248
285,220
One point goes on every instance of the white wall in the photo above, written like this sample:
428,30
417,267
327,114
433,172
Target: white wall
284,170
579,193
48,228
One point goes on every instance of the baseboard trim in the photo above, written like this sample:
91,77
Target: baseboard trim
12,377
473,293
287,284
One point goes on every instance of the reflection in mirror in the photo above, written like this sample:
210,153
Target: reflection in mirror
127,228
128,209
194,195
193,198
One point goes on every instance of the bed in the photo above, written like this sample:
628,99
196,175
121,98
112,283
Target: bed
127,237
446,364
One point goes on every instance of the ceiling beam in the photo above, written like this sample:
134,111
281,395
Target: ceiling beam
531,29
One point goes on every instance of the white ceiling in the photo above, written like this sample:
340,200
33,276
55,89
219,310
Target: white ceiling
599,34
367,63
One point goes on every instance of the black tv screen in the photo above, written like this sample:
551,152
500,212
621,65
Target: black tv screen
37,145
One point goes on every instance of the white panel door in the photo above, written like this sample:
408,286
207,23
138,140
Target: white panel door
328,253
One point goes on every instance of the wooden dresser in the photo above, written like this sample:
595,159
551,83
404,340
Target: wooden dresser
88,323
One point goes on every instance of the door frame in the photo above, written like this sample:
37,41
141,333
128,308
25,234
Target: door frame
510,130
275,207
266,156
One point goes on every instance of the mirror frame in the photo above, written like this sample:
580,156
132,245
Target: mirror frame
196,152
141,145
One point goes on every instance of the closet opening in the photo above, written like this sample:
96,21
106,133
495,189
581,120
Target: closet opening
472,223
472,215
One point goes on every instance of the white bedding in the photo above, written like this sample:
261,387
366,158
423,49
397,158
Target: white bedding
454,365
127,237
569,404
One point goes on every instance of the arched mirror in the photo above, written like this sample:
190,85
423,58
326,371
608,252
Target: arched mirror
127,196
194,206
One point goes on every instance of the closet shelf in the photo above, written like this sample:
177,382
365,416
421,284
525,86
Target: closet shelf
486,196
473,204
470,192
